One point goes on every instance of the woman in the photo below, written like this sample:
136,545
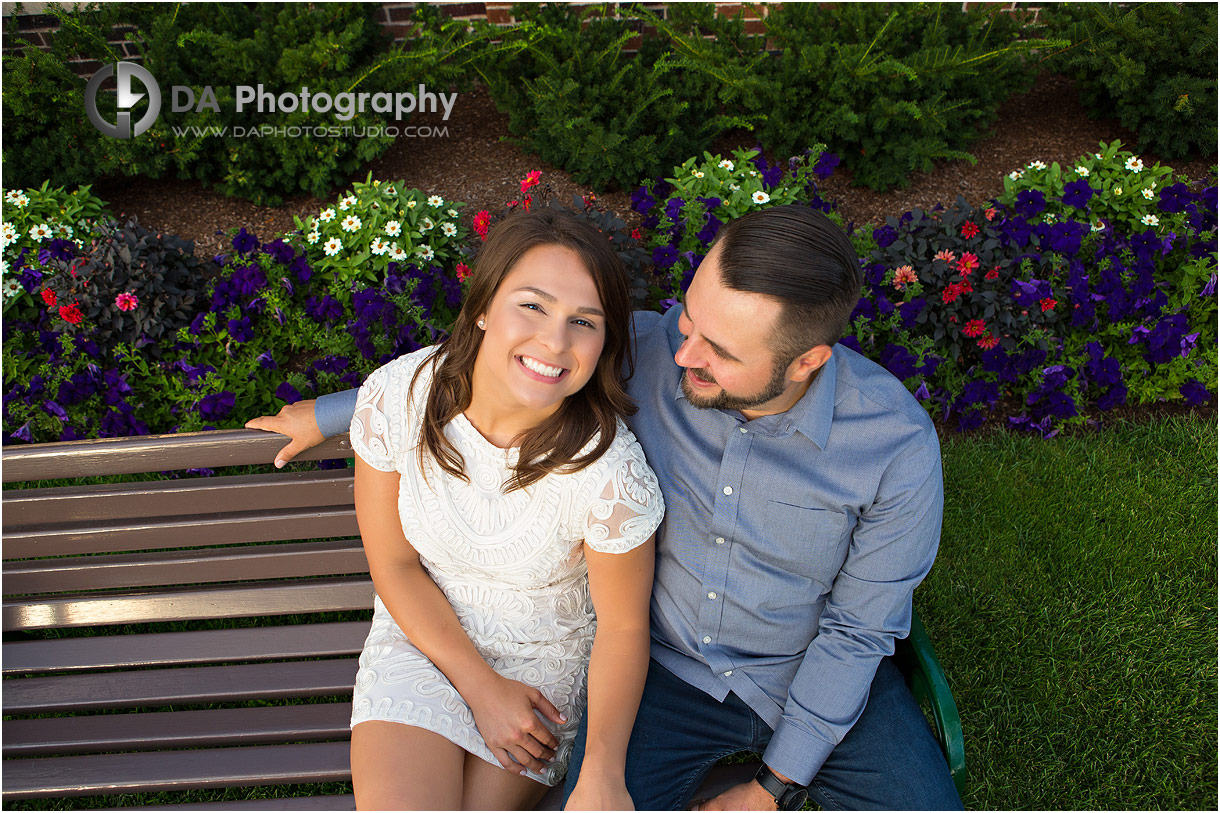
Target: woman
501,500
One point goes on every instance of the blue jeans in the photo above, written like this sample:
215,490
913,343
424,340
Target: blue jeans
890,759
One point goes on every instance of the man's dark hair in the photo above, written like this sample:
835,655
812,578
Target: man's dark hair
799,256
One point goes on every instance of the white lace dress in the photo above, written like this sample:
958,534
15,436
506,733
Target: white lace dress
511,565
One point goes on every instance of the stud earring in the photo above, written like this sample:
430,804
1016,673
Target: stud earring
482,324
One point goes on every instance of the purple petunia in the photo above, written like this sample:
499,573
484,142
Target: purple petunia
1175,198
240,330
1195,393
899,361
642,201
287,392
244,242
1078,193
826,164
279,251
216,406
1030,203
673,209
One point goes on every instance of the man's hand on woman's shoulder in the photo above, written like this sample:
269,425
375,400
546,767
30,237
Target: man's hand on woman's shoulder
297,422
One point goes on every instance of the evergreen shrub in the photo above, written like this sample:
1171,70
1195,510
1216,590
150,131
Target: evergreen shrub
1153,65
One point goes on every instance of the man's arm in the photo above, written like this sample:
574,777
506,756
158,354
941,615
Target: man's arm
308,423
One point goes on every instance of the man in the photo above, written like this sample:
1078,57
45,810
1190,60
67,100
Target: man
804,497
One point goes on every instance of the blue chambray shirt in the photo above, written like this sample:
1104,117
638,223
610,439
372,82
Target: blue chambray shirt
791,544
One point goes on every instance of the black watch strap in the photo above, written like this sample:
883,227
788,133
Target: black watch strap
787,797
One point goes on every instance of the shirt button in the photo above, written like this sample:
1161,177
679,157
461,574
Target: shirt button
720,540
707,640
728,490
711,595
743,430
729,673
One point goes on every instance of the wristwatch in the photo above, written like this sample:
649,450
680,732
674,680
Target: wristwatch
787,797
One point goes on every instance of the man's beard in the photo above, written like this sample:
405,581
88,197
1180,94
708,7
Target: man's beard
772,390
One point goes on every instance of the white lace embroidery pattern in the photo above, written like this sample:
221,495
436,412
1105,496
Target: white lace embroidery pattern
510,564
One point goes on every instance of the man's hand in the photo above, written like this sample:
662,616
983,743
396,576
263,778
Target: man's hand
297,422
746,796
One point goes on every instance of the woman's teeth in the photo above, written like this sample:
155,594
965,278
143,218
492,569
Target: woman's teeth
540,368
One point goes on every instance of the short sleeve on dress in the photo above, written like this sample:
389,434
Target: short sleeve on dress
371,434
627,505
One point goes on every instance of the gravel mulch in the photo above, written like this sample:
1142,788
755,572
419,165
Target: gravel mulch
474,164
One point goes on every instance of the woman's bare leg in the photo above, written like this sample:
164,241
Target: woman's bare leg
490,787
401,767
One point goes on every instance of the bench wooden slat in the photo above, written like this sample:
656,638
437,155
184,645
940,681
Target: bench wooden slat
109,501
178,729
345,802
134,455
164,568
302,596
181,532
187,686
185,648
176,770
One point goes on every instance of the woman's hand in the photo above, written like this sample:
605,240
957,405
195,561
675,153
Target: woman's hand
504,712
599,793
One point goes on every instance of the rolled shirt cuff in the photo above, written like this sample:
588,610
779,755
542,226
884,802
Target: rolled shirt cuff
333,413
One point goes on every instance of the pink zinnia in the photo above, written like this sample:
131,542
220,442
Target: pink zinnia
530,180
989,341
946,255
71,314
904,275
126,301
969,229
48,296
967,264
993,274
974,328
990,213
463,271
951,293
1047,304
482,221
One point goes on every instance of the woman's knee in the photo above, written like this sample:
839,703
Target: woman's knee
400,767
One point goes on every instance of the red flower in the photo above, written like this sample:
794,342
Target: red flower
463,271
974,328
482,221
126,301
636,234
71,314
1047,304
48,296
530,180
969,229
993,274
967,264
989,341
952,291
526,203
990,213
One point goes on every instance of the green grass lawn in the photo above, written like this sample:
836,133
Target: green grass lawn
1073,606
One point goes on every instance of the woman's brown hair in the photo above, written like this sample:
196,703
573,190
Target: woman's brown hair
555,443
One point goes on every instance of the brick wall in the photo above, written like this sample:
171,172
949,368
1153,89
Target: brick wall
36,27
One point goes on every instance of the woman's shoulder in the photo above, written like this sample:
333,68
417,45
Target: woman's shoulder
398,374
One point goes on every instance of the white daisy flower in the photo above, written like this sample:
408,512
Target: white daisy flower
1098,226
436,200
327,215
726,164
448,229
16,197
346,203
1152,185
379,246
1134,164
425,253
1049,218
1016,173
350,223
64,231
698,173
313,237
390,191
1097,155
4,266
733,187
451,212
333,246
1150,220
12,288
760,197
410,204
1037,165
753,174
397,253
427,224
393,228
1083,172
7,234
1148,194
1118,190
40,232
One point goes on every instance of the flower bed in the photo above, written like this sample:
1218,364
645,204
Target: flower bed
1061,299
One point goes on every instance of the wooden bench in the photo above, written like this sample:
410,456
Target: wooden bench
181,634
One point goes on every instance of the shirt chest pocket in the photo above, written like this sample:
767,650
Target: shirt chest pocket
811,542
